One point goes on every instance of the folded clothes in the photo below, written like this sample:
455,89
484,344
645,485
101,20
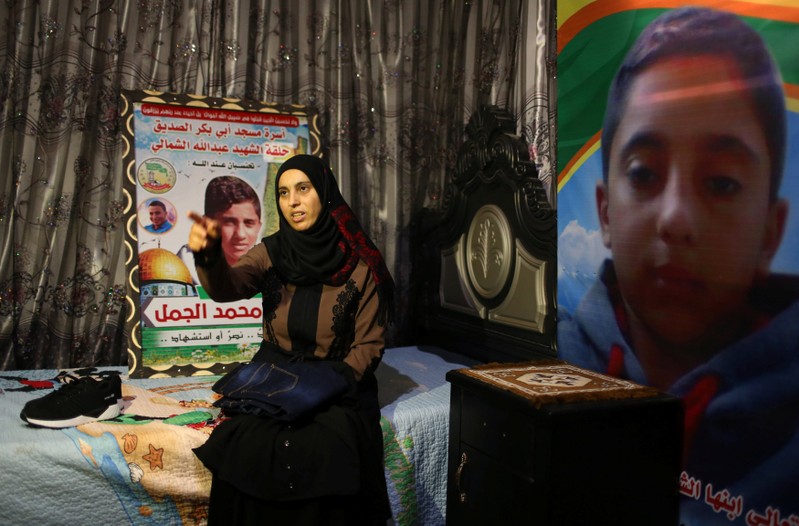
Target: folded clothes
284,391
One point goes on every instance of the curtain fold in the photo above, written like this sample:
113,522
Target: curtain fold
394,83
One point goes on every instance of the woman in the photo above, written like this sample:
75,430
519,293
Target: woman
327,298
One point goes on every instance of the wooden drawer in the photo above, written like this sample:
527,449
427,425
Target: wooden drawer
505,434
487,493
604,452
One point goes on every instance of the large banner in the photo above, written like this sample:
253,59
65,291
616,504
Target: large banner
217,157
678,230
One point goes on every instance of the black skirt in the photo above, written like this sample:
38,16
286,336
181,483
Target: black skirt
329,464
234,507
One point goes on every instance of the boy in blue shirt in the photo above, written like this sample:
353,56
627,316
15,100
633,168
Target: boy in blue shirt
693,147
159,222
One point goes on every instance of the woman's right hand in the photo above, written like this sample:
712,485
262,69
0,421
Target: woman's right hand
204,232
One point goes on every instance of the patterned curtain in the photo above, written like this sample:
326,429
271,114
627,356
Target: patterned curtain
394,83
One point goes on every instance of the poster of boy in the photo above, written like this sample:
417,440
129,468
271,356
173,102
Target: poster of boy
675,199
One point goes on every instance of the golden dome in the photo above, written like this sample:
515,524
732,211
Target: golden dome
157,264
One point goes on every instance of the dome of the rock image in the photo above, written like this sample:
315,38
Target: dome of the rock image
157,264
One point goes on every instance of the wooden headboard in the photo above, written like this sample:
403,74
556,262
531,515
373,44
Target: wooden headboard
490,253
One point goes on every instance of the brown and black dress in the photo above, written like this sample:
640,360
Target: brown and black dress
326,296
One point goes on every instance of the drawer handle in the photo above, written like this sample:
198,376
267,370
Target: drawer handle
458,475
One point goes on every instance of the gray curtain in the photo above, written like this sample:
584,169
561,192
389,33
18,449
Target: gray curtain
394,83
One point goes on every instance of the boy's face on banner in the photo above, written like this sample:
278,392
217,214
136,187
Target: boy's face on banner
239,226
686,209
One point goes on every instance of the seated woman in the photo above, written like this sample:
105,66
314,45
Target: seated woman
327,298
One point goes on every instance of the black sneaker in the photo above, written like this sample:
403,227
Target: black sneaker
78,402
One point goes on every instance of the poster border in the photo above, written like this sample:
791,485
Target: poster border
128,99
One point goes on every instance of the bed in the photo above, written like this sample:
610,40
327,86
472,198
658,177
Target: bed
489,268
491,251
139,468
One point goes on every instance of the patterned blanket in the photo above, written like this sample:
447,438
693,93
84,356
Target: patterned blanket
139,468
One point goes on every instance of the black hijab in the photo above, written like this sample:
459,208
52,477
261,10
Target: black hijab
329,250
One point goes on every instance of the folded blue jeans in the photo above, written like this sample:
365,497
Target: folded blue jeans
285,391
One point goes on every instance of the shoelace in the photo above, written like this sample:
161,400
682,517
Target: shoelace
66,378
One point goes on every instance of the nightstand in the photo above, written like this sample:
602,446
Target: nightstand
547,443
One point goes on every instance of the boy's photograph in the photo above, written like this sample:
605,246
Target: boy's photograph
678,262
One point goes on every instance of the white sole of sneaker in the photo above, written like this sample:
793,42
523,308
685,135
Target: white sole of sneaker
111,412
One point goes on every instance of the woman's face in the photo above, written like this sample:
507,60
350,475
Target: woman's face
298,200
